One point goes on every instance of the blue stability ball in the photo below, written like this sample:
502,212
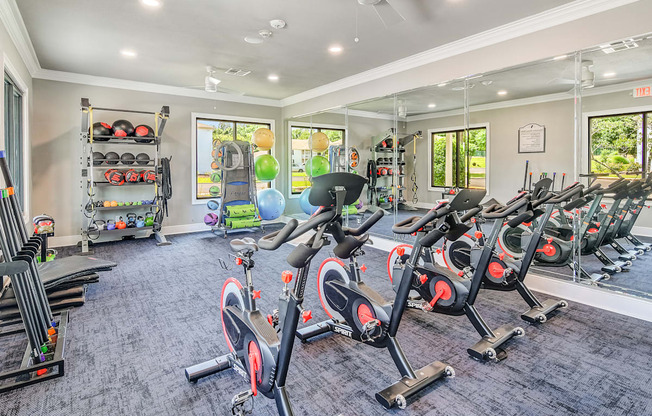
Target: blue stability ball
271,204
305,205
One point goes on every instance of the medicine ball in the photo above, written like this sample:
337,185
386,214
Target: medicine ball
115,177
142,158
98,158
102,129
123,128
148,176
131,176
144,130
112,158
127,158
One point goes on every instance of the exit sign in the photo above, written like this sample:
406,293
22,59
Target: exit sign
643,92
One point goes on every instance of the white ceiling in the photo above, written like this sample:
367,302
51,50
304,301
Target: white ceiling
176,41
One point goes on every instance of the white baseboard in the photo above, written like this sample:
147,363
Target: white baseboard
642,231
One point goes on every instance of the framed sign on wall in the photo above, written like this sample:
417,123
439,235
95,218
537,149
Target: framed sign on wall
532,138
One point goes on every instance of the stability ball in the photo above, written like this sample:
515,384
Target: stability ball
271,204
266,167
263,138
211,219
317,166
305,205
318,142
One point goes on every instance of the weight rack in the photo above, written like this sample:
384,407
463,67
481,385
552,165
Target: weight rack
90,186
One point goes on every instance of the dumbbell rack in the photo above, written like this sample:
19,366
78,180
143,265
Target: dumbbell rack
386,185
90,185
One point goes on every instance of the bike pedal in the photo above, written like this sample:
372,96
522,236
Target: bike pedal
238,403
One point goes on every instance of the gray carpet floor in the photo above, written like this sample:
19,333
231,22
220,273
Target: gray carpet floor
157,313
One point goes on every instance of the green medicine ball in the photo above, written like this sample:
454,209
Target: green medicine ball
214,190
215,177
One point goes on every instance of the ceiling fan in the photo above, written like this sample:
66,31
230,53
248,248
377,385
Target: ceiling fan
387,14
588,76
211,83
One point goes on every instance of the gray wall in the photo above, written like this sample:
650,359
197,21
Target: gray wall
56,147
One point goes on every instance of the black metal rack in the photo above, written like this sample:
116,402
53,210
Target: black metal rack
92,186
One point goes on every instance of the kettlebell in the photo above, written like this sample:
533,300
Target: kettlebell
110,225
101,225
107,204
149,219
114,203
131,220
128,203
140,222
99,204
120,203
120,225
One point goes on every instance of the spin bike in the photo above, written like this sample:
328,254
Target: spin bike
257,352
360,313
442,291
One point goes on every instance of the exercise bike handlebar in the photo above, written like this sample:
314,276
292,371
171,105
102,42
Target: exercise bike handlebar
565,196
496,211
595,187
274,240
414,224
470,214
365,225
544,199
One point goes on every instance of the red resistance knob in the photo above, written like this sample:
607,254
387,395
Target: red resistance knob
473,220
460,273
400,251
306,315
286,276
238,261
501,256
423,279
478,234
256,294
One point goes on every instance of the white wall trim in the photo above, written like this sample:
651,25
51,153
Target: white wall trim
550,18
289,151
456,128
193,143
592,296
106,82
13,22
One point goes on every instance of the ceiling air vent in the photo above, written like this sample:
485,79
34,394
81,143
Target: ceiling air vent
237,72
622,45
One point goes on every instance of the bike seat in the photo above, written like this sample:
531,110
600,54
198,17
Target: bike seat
245,244
346,247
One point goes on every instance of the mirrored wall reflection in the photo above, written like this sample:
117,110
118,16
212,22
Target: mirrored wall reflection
616,153
317,145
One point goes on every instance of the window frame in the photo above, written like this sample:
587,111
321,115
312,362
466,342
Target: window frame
313,126
475,126
19,82
194,117
646,163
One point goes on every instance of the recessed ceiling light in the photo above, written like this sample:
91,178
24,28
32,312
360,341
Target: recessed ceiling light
128,53
151,3
502,92
443,84
432,105
560,57
609,74
272,77
335,49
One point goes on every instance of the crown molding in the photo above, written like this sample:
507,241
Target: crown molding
50,75
13,22
554,17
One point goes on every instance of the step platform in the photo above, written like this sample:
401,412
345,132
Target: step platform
539,314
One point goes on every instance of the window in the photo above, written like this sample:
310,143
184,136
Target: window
210,129
14,135
301,152
458,161
620,145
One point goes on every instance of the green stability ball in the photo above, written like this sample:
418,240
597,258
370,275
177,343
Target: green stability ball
317,166
266,167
